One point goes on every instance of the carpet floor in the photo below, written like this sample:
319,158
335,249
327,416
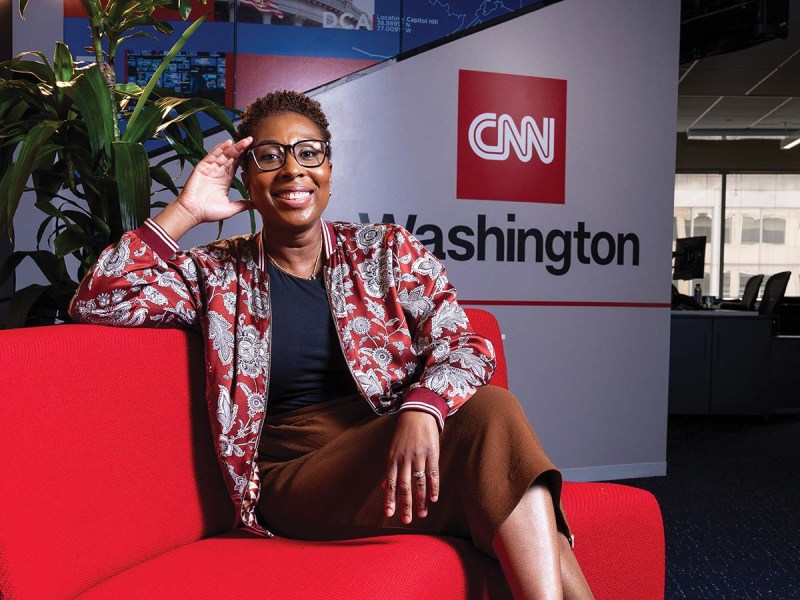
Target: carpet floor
731,506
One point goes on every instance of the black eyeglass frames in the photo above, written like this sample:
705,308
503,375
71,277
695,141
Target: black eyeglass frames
271,156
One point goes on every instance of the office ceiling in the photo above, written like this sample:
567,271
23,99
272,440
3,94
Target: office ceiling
749,91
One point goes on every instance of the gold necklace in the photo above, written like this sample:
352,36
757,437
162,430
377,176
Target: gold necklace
313,269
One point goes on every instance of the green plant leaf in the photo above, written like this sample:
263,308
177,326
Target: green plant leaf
240,188
188,122
13,115
42,228
13,181
51,267
48,182
193,106
138,34
140,7
81,220
145,126
41,70
92,100
173,157
68,241
147,20
141,103
35,53
93,9
76,222
28,92
132,168
105,230
173,135
185,7
128,89
115,9
62,61
150,119
22,5
22,302
159,175
10,264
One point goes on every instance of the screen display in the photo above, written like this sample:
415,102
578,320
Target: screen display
193,74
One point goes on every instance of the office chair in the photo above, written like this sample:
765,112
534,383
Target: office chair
748,301
773,292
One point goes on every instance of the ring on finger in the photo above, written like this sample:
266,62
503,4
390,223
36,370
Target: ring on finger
418,474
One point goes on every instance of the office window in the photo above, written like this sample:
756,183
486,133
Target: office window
701,226
765,208
705,285
697,211
773,230
751,229
760,228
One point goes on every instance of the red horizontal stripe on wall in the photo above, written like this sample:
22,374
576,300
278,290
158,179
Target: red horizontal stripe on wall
565,303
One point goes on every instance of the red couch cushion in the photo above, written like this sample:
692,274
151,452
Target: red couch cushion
619,539
485,323
107,457
402,566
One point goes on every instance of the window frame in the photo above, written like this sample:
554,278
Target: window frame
719,276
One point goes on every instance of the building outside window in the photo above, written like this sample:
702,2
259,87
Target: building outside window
773,230
760,227
698,212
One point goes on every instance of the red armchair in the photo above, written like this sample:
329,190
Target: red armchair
110,489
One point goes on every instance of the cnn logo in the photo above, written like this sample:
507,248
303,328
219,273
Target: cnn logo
511,137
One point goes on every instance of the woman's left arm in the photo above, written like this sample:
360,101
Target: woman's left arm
456,361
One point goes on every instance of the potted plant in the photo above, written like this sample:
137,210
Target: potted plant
74,137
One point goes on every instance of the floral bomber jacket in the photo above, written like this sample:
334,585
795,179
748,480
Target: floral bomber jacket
405,338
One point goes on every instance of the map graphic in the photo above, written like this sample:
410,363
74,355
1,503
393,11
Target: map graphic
430,20
364,29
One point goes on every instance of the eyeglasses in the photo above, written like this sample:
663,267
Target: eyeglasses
307,153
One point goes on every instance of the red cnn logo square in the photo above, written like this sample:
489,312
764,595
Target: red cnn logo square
512,133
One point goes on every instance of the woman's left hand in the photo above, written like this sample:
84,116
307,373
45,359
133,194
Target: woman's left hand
414,449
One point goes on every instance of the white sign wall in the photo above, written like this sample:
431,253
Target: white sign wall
587,320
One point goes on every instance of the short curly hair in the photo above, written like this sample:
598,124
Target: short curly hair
284,101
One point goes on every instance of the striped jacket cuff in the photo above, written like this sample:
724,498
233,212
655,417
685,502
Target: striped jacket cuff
152,234
424,400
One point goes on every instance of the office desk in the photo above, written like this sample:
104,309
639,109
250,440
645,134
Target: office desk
785,374
719,363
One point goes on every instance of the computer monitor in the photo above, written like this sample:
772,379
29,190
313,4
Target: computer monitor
690,258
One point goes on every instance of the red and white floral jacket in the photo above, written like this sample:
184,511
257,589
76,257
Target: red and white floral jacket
407,341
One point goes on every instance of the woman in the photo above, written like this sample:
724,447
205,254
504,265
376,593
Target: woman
335,352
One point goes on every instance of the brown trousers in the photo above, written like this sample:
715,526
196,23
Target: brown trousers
322,467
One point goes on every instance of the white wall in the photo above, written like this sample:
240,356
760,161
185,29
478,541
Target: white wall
593,380
42,27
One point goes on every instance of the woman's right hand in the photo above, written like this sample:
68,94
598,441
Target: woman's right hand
204,198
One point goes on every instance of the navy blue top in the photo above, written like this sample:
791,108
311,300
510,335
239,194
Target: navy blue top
307,363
